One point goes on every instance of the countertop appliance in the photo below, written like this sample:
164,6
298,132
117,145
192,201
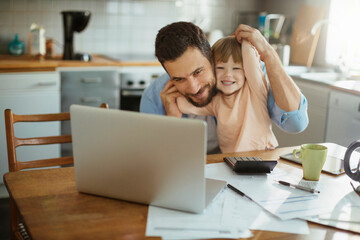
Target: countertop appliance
74,21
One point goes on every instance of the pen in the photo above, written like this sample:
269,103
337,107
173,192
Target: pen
239,192
298,187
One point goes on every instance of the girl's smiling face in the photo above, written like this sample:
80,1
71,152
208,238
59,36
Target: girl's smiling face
230,76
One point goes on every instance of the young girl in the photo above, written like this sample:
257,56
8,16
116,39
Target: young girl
240,106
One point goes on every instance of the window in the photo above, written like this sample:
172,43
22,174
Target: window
343,37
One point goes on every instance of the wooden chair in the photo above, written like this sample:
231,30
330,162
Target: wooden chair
16,227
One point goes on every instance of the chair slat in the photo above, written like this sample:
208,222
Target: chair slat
46,163
43,140
41,117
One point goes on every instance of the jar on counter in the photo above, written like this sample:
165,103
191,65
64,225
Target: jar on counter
50,48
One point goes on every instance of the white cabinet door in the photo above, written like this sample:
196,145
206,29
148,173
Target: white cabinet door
343,125
29,93
317,96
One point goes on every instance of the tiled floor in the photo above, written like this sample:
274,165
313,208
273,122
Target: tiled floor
4,219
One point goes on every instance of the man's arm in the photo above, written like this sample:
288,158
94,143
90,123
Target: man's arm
286,104
286,93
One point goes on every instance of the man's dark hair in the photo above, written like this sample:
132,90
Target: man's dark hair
174,39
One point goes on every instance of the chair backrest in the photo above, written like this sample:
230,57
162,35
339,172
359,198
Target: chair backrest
13,142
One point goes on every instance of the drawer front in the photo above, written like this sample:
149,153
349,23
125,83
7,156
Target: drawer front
90,99
345,101
37,81
89,80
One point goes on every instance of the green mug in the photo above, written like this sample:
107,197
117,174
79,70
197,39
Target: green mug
313,157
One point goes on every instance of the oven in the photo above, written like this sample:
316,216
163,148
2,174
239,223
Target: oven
134,79
133,85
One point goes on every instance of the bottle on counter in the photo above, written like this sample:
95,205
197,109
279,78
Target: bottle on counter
37,41
16,47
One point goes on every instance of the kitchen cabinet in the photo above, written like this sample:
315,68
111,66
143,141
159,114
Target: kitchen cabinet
29,93
317,94
90,87
343,125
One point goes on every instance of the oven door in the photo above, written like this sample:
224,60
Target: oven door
130,99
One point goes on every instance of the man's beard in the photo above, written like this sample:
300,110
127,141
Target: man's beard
212,93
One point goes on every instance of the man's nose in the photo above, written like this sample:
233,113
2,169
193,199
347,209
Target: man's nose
193,85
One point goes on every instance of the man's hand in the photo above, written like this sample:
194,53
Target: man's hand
168,97
255,38
286,93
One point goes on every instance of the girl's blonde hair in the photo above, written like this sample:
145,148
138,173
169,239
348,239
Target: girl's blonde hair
226,47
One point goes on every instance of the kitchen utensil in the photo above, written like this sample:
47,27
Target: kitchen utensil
268,32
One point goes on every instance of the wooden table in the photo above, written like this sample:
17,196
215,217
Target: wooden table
52,208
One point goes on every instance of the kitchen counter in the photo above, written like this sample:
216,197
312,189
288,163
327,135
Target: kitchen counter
350,86
26,63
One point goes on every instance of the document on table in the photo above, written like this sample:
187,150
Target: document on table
282,201
240,210
345,215
172,224
229,216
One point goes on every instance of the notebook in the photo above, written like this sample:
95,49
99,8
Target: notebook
142,158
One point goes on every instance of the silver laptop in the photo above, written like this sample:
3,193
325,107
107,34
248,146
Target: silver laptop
142,158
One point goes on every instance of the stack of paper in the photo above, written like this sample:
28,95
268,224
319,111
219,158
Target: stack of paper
229,216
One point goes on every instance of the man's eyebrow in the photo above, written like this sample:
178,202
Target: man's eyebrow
199,68
176,78
180,78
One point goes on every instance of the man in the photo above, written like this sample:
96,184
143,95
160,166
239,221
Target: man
185,54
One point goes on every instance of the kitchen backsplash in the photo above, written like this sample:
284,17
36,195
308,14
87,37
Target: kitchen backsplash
130,26
116,26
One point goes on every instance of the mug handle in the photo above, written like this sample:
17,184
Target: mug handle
295,153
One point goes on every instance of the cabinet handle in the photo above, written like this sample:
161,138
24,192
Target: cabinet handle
134,93
53,83
90,99
91,80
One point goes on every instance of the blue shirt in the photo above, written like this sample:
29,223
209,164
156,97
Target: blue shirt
292,122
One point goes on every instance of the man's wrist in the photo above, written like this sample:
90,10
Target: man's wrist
269,55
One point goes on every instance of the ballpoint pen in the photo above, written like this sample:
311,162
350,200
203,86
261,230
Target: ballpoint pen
297,186
239,192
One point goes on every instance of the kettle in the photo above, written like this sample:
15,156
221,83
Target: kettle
353,175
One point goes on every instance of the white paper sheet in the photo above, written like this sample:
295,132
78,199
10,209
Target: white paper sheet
229,216
238,210
345,214
171,224
283,201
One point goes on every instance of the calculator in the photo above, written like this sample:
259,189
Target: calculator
250,164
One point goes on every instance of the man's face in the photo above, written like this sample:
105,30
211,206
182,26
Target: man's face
193,76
